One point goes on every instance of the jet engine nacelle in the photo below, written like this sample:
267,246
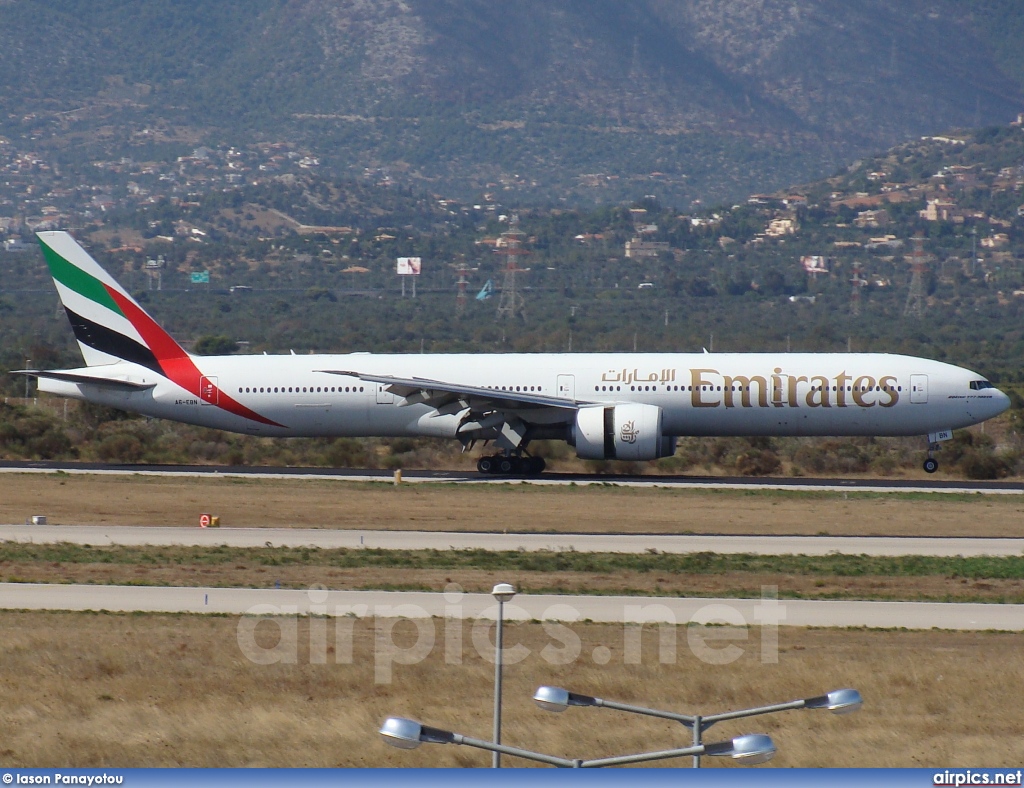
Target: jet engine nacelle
621,432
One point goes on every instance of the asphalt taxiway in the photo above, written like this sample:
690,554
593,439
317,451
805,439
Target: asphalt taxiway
136,536
580,479
525,607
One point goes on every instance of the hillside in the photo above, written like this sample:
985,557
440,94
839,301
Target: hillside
312,261
299,261
596,100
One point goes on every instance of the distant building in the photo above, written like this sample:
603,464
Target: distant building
939,210
635,248
997,241
942,209
872,219
779,227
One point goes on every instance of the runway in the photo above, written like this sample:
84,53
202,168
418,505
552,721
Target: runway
99,535
525,607
960,487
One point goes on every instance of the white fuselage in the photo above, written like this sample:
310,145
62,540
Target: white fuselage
700,394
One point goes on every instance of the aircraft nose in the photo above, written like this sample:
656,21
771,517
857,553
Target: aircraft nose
1000,402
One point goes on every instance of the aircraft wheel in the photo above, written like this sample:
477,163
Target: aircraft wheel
931,465
535,466
507,465
486,465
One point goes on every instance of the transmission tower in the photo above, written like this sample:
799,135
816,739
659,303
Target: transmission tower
460,298
857,281
510,246
918,268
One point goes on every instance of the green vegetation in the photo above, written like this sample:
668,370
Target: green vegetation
979,568
92,433
993,580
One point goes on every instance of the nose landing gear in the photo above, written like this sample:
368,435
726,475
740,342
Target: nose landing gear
934,439
931,464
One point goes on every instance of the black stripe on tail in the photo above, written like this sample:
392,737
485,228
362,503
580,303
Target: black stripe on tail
107,341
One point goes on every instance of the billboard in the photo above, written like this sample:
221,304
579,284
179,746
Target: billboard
815,264
409,266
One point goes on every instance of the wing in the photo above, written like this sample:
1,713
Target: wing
438,394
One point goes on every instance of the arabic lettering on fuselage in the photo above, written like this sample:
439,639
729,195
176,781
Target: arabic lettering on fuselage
709,388
627,376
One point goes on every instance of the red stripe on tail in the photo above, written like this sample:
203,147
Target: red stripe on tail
176,364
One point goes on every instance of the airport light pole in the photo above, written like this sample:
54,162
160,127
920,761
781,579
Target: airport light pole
841,701
408,734
503,592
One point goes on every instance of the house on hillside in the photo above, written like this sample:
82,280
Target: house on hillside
997,241
780,227
636,249
873,219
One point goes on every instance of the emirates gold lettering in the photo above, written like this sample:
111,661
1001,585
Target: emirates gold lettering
888,384
777,400
793,383
782,390
818,397
698,381
744,385
861,386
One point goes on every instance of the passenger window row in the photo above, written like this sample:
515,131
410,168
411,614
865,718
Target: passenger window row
301,390
747,388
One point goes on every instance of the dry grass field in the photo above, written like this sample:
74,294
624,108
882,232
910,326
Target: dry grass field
144,690
140,500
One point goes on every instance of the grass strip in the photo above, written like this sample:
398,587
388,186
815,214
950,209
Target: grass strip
835,565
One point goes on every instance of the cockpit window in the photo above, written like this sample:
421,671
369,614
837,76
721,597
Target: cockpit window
978,385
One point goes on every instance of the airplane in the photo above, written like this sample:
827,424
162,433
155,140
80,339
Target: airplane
625,406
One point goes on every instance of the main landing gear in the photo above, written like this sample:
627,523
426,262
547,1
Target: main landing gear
511,465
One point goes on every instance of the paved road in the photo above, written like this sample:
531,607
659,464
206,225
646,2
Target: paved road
461,477
525,607
445,540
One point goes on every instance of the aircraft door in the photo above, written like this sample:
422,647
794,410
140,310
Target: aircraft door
209,394
384,397
919,389
567,386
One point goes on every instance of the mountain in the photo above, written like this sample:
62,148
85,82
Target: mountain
583,100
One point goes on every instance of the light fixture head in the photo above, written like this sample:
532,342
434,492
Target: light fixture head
841,701
402,733
552,698
409,734
753,748
503,592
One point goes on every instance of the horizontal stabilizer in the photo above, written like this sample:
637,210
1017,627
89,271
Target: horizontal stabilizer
93,380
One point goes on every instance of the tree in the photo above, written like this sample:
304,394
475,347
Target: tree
219,345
